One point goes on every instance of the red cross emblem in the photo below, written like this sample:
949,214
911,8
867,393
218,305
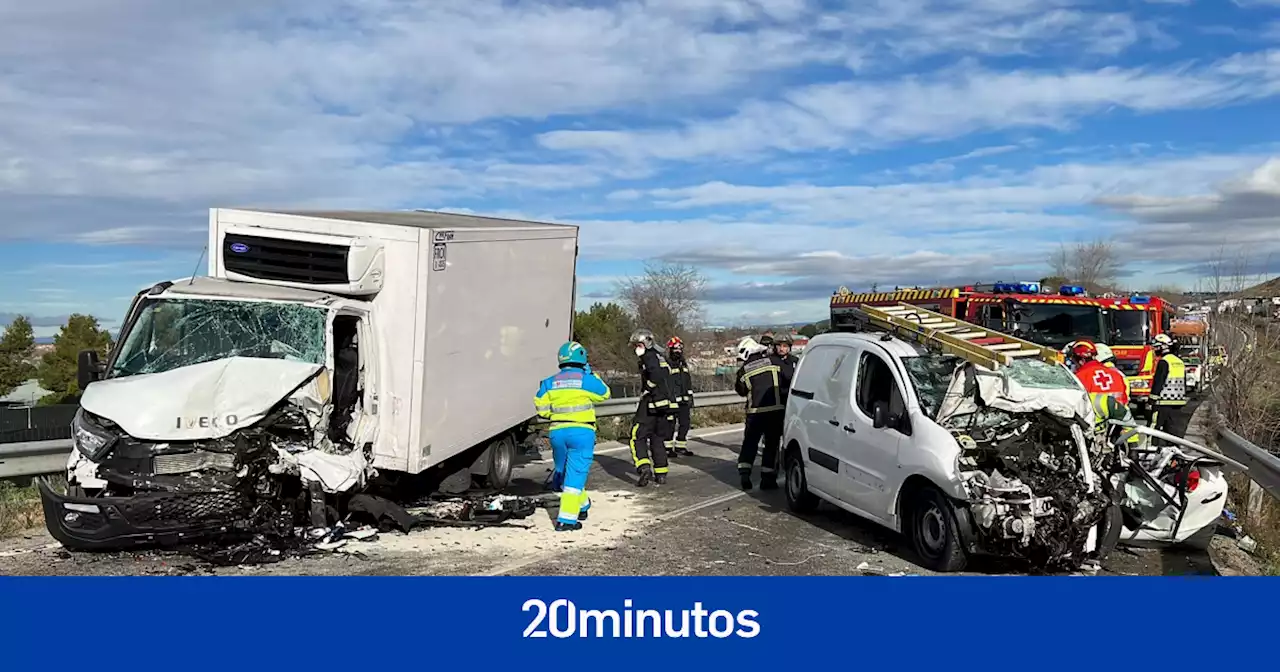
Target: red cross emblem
1103,380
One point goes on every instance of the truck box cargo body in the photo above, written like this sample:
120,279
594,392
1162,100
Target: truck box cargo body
323,349
471,309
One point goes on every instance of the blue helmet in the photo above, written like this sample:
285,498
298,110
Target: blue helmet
572,353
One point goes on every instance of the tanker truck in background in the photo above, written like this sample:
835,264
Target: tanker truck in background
323,350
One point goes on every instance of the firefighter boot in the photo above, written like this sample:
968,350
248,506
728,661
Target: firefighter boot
646,475
660,479
745,478
768,482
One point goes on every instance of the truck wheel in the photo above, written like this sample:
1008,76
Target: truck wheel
799,499
502,458
934,534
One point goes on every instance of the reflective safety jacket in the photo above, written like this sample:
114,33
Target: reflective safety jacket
1108,407
681,381
569,398
1169,386
762,379
655,378
1099,378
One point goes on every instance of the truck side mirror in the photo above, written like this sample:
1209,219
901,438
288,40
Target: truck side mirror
880,415
88,368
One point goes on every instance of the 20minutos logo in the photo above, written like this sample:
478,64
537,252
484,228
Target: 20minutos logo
562,618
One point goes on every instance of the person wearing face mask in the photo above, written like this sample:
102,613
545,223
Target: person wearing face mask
682,384
649,427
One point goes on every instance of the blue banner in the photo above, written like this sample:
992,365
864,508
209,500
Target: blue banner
607,624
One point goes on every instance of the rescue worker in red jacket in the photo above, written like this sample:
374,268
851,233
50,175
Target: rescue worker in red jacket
682,384
1107,388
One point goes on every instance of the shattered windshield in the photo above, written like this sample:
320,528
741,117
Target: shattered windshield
1041,375
1055,325
931,376
172,333
1128,327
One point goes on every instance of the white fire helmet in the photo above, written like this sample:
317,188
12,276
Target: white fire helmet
749,346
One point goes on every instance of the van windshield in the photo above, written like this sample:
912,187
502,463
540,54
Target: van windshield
172,333
931,376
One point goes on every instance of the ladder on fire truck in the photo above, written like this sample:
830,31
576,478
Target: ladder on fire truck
977,345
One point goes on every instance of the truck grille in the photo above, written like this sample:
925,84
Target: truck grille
285,260
165,465
162,509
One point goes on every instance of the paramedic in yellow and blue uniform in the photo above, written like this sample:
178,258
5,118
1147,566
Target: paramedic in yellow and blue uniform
568,401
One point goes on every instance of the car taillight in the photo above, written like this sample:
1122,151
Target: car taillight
1193,480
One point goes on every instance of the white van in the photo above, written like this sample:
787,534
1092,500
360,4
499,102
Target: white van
961,459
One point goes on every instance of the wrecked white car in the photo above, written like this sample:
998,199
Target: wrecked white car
964,460
325,351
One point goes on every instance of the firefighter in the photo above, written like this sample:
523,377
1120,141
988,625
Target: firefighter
761,379
682,384
1168,389
568,401
650,426
782,347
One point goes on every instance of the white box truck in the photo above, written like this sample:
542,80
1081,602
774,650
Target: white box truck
323,350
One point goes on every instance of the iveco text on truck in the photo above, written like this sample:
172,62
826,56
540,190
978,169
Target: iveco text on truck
324,349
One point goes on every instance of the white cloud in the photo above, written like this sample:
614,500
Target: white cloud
949,103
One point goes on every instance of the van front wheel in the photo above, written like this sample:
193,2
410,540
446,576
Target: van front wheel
934,533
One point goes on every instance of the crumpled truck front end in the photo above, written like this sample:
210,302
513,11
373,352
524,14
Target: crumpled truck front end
237,446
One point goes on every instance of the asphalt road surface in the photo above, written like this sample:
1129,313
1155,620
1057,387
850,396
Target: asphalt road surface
699,523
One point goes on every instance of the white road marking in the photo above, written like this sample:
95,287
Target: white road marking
671,515
719,432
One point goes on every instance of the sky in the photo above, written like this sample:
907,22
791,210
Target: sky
784,147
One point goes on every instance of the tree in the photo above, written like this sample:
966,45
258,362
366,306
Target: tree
15,350
809,330
604,329
667,299
57,372
1095,265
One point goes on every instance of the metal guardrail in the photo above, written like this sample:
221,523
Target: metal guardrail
34,458
1264,466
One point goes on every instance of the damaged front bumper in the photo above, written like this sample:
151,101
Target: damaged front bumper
143,519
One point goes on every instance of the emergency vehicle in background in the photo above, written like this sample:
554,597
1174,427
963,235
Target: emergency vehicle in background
1023,309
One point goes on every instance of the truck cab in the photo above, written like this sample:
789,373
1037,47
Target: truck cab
321,351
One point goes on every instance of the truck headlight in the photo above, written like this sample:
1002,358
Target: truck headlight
92,441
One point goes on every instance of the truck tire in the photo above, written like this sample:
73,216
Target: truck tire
934,533
502,459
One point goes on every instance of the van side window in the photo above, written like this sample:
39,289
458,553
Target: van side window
876,384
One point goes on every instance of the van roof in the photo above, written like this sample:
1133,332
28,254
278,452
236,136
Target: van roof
423,219
896,346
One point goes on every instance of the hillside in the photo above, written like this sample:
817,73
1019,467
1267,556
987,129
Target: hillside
1263,290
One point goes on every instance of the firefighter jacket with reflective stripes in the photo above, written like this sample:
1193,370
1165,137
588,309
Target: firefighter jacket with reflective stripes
655,379
569,398
681,381
762,380
1099,378
1169,386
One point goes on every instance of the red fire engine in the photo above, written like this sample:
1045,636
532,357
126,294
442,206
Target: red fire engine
1022,309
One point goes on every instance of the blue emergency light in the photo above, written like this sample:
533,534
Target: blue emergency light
1029,287
1139,298
1071,290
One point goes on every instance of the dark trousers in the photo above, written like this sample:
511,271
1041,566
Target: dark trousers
649,430
765,426
1171,420
683,414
